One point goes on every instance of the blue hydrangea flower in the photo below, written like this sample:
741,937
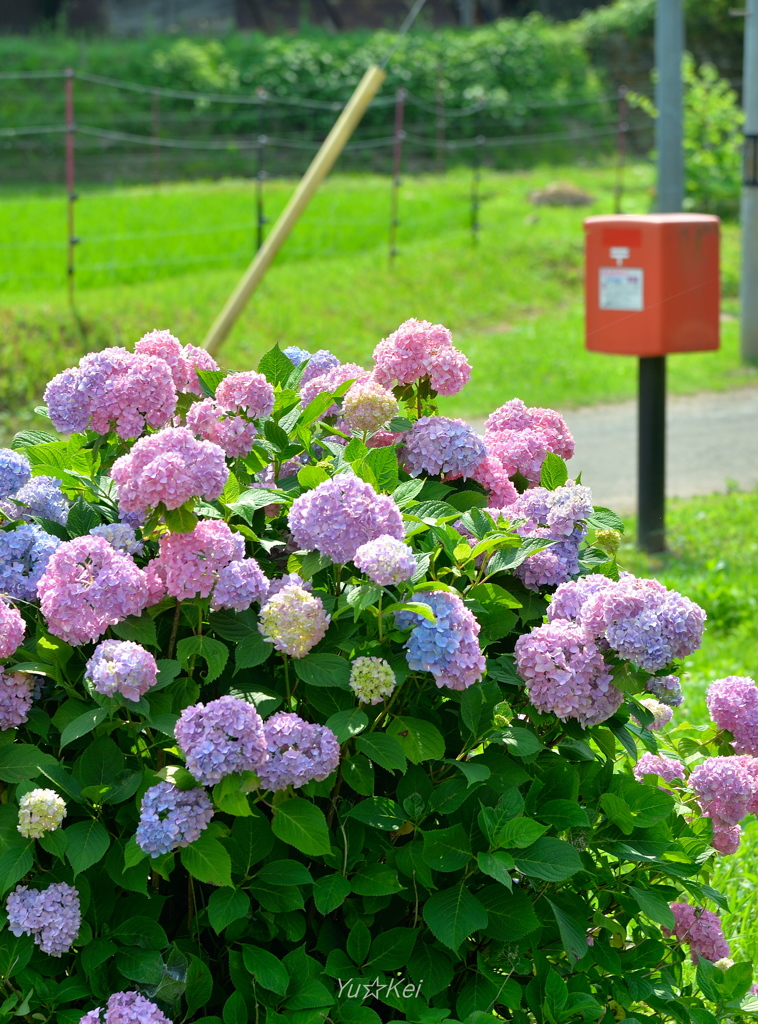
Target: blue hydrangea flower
437,444
449,646
221,737
14,471
51,916
120,536
296,355
43,497
320,362
171,818
24,554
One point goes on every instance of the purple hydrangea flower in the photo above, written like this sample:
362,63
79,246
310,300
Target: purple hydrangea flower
652,764
221,737
321,362
51,916
126,1008
120,536
386,560
239,584
24,554
42,497
87,586
340,515
667,689
293,620
553,565
437,444
15,471
296,355
120,666
556,515
16,693
169,467
287,580
171,818
326,383
724,789
298,752
701,930
566,675
449,647
726,838
569,598
733,704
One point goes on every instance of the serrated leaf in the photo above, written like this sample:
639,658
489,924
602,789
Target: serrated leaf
550,859
497,865
454,914
207,860
520,741
391,949
284,872
86,843
22,762
81,518
302,825
654,905
267,969
180,520
420,740
214,652
518,833
225,906
384,750
139,630
573,934
324,670
15,862
82,725
330,892
554,472
605,519
378,812
346,724
447,849
210,380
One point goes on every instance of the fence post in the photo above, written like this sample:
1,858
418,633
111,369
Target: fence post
156,132
70,178
623,128
260,176
397,155
475,182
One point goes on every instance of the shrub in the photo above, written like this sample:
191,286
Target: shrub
288,738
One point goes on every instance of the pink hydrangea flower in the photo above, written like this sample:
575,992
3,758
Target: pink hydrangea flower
163,345
16,694
724,789
197,359
726,838
328,382
419,349
519,451
169,467
190,562
733,704
340,514
566,675
248,392
658,764
235,434
239,584
126,1008
12,629
87,586
701,930
515,415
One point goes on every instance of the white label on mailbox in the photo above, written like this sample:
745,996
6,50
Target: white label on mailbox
622,288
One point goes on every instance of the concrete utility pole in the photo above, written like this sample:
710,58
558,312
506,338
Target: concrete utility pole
466,8
749,209
651,429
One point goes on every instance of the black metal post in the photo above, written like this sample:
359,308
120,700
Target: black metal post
651,472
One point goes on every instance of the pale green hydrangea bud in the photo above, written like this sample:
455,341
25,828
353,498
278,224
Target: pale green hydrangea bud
40,811
608,541
503,715
371,679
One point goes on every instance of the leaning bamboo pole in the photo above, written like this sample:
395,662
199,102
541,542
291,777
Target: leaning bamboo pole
320,166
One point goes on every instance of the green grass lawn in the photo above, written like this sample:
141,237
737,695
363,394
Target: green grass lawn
514,301
713,559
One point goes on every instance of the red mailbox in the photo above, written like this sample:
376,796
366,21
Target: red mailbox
652,283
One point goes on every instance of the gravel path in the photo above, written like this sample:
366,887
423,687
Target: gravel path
712,442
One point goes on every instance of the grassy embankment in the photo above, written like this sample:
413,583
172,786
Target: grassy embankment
514,301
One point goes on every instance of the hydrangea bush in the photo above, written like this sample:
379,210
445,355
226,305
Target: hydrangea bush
317,706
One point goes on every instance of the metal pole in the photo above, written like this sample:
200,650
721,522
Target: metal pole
466,8
621,147
651,425
397,157
320,166
749,205
70,179
652,453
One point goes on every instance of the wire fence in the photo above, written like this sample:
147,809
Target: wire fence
88,131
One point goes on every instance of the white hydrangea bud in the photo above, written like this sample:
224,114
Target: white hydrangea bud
372,679
40,811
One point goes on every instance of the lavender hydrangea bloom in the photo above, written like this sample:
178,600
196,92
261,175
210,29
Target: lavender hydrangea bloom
16,693
733,704
340,515
652,764
553,565
298,752
289,579
41,497
221,737
51,916
24,554
726,838
171,818
556,515
372,680
293,620
296,355
569,598
126,1008
386,560
667,689
724,789
120,666
436,444
40,811
449,647
701,930
14,471
566,675
321,362
120,536
239,584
